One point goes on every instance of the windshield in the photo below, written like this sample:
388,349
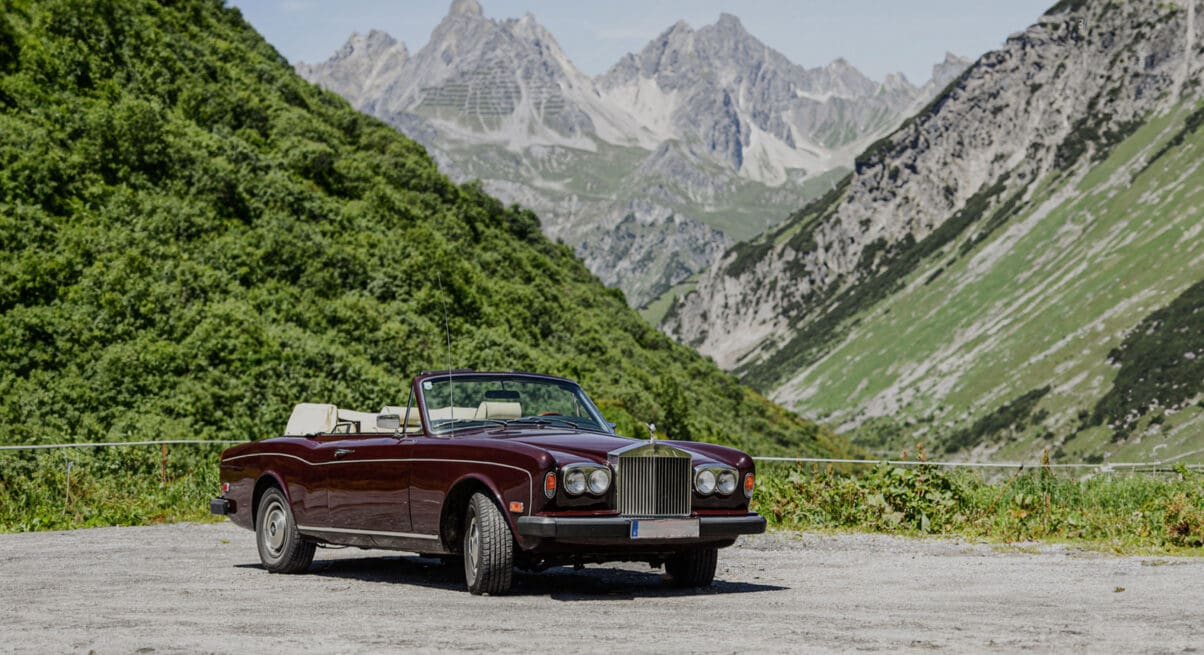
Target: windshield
473,400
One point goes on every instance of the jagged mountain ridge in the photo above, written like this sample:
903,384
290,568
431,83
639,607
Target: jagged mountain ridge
722,91
899,305
697,166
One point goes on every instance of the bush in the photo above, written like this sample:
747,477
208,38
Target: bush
1126,512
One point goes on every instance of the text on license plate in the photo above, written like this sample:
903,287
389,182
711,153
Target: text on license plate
664,528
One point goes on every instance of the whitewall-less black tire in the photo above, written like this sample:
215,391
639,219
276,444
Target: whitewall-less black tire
488,548
693,568
281,548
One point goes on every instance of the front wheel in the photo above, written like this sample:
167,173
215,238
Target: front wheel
281,548
488,548
693,568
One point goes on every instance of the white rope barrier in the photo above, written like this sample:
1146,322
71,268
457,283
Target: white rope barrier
1103,467
108,444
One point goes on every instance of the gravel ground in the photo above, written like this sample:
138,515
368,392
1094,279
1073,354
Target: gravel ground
199,588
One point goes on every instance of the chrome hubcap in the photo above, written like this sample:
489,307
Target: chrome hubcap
473,550
275,527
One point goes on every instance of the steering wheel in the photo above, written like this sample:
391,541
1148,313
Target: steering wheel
550,414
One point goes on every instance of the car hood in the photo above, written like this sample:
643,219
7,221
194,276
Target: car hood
592,445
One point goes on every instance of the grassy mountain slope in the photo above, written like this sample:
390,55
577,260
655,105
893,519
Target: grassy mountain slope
1068,319
194,239
1016,268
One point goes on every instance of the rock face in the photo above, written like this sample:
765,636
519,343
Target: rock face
361,68
703,138
1068,112
733,99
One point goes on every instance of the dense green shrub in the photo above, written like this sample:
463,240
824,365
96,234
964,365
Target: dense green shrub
1118,511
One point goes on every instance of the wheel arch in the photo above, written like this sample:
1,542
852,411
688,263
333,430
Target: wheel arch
267,480
455,504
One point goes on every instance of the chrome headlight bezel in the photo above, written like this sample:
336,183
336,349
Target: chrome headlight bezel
574,482
707,477
579,479
598,481
726,482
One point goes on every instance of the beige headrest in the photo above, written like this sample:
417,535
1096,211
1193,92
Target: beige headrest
490,409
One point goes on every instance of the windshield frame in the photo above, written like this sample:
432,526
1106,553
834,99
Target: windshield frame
419,389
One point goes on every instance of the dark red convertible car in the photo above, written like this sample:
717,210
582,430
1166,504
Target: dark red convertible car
501,469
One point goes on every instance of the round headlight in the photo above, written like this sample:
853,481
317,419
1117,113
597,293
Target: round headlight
704,482
599,481
574,482
727,482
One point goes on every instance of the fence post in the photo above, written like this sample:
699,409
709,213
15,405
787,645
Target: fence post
163,465
67,491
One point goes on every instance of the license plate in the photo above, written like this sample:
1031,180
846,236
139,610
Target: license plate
664,528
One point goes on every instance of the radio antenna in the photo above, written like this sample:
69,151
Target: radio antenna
451,382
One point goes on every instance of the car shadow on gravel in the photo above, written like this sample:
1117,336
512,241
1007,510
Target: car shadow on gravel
559,583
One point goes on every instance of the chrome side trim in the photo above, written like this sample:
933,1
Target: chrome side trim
530,479
377,533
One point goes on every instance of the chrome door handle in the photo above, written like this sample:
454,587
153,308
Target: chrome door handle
342,451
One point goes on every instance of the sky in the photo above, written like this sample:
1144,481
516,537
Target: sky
878,37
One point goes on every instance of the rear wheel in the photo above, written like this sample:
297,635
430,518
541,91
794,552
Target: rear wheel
488,548
281,548
693,568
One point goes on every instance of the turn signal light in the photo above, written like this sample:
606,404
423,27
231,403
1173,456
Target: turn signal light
749,483
225,487
516,507
549,484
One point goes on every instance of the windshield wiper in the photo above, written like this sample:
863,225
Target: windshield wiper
461,422
544,420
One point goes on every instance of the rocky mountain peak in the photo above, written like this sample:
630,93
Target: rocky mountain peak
367,45
946,71
729,23
466,8
680,28
897,82
356,69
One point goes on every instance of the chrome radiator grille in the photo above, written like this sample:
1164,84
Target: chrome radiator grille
654,486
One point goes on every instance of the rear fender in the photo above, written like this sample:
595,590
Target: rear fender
267,480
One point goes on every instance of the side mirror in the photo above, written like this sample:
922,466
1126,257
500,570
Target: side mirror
390,422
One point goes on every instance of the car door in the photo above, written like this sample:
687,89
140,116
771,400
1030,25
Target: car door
368,477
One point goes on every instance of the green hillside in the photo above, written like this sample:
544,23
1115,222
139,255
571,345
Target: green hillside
194,239
1072,319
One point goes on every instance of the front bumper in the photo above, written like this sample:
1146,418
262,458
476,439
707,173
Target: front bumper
221,506
611,528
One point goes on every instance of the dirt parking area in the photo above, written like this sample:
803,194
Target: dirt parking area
199,588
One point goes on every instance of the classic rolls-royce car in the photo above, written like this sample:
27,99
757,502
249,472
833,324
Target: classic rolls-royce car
497,469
